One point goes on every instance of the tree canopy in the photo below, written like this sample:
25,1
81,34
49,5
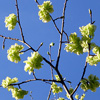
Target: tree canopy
47,53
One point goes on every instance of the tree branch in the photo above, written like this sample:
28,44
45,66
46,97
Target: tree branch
58,18
49,93
44,80
19,21
84,71
29,48
51,72
39,46
48,62
64,85
66,36
37,2
61,35
11,38
81,78
55,25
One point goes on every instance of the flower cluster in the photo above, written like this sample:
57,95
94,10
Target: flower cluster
79,45
55,88
74,45
14,53
11,21
33,62
6,83
90,83
16,93
93,60
81,98
45,9
57,77
88,30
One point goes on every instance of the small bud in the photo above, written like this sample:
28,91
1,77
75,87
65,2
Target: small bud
30,91
3,47
90,11
52,60
52,44
48,53
41,43
77,96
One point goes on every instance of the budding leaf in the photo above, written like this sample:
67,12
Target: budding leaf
11,21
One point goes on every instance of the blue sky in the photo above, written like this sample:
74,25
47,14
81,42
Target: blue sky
35,31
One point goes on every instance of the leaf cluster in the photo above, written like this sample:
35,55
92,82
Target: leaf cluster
90,84
45,9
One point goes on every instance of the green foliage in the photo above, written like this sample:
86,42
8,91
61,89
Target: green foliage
82,97
14,53
33,62
87,35
90,83
70,91
18,93
45,9
79,45
11,21
77,96
57,78
75,44
93,60
88,30
55,88
60,98
6,83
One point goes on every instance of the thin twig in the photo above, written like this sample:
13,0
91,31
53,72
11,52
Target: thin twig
48,62
84,71
37,2
59,18
19,41
19,21
49,94
3,46
11,38
34,74
51,72
44,80
25,50
90,12
51,62
55,25
61,35
39,46
64,85
59,52
66,36
65,42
